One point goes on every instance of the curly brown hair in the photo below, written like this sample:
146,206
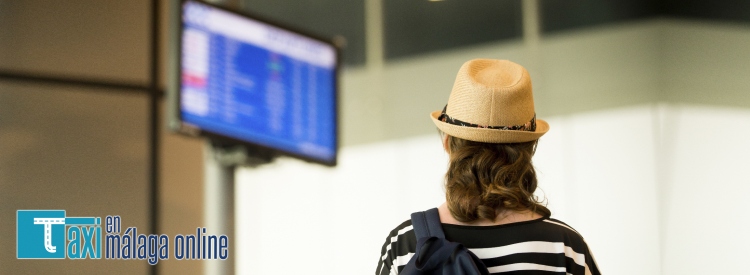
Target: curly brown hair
485,179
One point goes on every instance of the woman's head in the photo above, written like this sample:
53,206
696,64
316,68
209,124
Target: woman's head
492,131
485,179
491,101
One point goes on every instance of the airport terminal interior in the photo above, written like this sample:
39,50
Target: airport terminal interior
648,104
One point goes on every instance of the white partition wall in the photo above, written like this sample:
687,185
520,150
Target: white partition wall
597,171
655,186
601,180
706,187
317,220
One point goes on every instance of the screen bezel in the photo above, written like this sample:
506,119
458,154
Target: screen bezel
180,126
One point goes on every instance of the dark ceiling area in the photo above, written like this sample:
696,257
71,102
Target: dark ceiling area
722,10
562,15
414,27
327,18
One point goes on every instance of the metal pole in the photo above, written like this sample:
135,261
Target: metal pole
219,201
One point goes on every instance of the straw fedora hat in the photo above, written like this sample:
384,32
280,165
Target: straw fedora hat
491,102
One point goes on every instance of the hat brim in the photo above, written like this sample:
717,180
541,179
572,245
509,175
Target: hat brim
489,135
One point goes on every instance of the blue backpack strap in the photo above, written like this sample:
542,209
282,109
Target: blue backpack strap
427,224
435,254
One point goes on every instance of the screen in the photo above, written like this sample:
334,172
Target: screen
255,82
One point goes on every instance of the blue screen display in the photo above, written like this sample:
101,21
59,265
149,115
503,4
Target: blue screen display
248,80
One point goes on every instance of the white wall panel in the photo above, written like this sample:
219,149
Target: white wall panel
597,171
660,185
613,187
551,169
705,216
318,215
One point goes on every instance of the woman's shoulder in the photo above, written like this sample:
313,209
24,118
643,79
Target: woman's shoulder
561,226
396,249
542,229
401,237
402,227
547,223
542,239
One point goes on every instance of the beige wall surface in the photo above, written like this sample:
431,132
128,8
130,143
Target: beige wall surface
86,150
585,70
705,63
82,38
79,150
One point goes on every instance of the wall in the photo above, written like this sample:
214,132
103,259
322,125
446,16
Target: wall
631,161
85,150
579,85
705,63
585,70
640,183
318,216
87,161
334,221
703,147
706,183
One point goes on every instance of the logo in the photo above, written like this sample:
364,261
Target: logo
49,234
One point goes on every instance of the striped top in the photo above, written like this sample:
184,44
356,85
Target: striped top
541,246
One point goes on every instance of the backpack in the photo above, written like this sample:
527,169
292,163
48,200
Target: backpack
435,254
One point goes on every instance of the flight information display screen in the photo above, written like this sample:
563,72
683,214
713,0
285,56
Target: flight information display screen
255,82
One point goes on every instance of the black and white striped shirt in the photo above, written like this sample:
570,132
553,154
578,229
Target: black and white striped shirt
541,246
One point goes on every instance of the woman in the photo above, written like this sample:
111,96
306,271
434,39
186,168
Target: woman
490,132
